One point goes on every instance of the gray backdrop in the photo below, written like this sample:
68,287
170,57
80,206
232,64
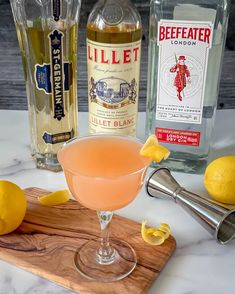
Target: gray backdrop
12,87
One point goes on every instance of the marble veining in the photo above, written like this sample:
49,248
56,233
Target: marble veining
16,167
199,264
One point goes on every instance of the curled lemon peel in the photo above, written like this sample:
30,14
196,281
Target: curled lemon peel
154,150
54,198
166,226
155,236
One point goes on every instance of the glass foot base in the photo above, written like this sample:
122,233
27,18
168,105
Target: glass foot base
47,161
123,263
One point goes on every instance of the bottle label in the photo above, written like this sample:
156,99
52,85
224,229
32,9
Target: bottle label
56,9
182,68
113,86
57,72
181,137
57,138
43,77
53,79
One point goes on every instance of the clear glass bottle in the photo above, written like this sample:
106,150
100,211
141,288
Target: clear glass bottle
113,59
186,44
47,35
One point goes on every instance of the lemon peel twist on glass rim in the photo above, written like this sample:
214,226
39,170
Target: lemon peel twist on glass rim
152,149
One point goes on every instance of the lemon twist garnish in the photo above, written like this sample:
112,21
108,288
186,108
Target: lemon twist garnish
155,236
153,150
54,198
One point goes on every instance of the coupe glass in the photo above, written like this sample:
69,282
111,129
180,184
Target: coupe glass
104,173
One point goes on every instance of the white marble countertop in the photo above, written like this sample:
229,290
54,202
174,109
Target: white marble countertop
199,265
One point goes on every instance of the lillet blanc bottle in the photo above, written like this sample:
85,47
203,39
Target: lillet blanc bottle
185,52
113,64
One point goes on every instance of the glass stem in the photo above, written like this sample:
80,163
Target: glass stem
105,254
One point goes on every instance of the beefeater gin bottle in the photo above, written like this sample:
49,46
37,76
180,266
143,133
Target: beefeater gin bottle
185,52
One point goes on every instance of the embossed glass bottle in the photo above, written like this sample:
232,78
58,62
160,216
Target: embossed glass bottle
47,35
185,52
113,58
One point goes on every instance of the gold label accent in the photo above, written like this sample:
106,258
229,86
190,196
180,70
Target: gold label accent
113,86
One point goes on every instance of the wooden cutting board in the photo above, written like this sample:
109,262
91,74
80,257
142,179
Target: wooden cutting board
48,238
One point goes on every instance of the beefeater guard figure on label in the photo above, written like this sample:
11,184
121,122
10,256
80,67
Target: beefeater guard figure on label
182,73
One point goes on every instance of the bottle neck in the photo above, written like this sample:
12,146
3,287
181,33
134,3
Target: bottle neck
113,16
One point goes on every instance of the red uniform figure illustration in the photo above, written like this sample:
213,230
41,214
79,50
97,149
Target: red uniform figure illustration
182,73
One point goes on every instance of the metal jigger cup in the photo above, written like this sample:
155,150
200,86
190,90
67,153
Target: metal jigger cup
216,218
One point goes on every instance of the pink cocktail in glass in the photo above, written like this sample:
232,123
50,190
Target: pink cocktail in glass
104,173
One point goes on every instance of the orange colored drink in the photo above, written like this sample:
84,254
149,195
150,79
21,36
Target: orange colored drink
104,172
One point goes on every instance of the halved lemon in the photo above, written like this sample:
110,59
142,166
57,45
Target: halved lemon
54,198
154,150
13,204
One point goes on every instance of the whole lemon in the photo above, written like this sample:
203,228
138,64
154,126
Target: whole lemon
219,179
12,207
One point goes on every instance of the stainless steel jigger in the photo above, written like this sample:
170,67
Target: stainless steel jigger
217,219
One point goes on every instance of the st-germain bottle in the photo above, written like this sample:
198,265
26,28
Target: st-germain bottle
47,35
113,59
185,52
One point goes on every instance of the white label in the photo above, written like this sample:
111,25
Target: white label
182,67
113,86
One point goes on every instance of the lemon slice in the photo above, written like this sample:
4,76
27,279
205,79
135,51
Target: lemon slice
155,236
54,198
153,150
